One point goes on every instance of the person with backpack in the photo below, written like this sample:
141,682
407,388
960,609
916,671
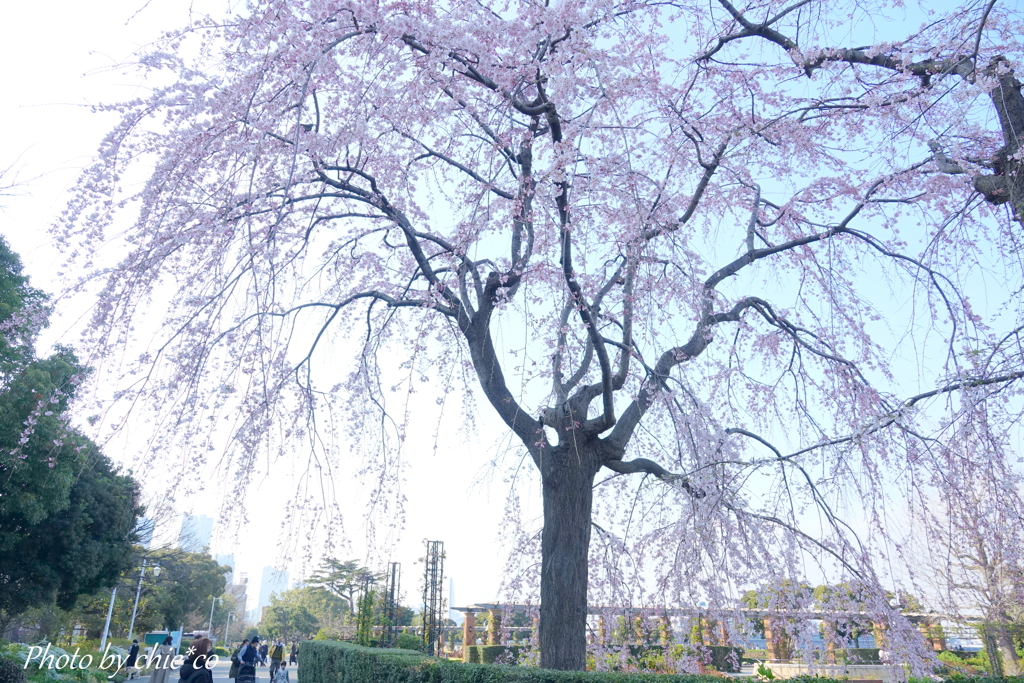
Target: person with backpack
276,657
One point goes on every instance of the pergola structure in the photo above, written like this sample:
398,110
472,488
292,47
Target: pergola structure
714,631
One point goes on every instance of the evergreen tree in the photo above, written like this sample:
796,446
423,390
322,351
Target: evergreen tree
66,517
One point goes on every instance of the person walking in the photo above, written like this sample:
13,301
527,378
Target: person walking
294,657
276,656
281,675
194,670
133,657
249,657
163,656
263,653
235,661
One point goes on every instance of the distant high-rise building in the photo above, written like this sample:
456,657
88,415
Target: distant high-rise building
228,561
239,591
274,581
195,533
144,530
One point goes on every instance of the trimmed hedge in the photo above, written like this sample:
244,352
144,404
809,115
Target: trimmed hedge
324,661
493,654
335,662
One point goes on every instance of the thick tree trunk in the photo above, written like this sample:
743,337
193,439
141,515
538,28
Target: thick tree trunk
1007,185
1004,643
568,494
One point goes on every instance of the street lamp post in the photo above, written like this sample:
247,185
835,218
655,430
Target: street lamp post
106,626
213,603
138,593
227,629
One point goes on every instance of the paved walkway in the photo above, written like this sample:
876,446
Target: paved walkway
220,674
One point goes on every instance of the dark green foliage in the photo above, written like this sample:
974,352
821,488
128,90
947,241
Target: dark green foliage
364,618
188,583
344,579
303,612
37,465
409,641
494,654
22,311
865,655
334,662
67,519
11,671
73,543
724,657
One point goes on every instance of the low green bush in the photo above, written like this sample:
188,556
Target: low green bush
10,672
956,655
858,654
335,662
409,641
965,663
725,658
17,654
494,654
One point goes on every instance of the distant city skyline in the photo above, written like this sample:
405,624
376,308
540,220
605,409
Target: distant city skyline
195,534
144,528
226,559
274,581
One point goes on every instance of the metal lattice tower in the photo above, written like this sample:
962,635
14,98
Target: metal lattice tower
391,598
433,597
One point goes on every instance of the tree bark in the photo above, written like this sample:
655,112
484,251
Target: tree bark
1004,644
568,479
1009,105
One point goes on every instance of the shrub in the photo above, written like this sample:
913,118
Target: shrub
16,652
10,672
409,641
725,658
965,662
867,655
334,662
494,654
955,656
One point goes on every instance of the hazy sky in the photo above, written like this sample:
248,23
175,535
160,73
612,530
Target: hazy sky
61,61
